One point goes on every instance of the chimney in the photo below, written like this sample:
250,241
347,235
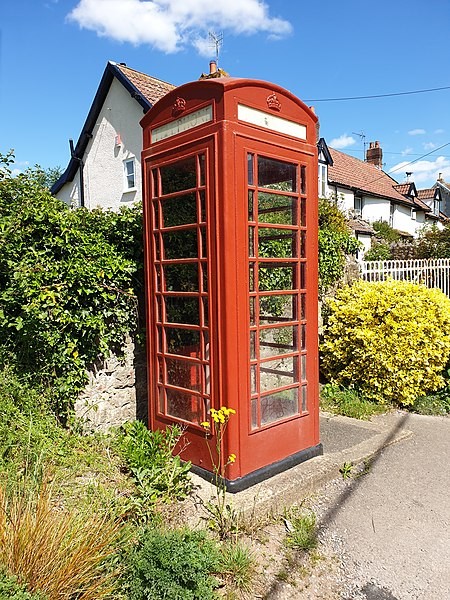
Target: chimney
212,67
440,177
374,155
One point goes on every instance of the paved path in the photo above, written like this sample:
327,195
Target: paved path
391,527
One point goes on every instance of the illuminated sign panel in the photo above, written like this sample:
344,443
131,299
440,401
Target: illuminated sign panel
272,122
194,119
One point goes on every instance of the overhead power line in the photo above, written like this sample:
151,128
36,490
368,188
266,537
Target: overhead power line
439,89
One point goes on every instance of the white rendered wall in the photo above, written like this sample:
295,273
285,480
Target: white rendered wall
375,209
104,183
403,221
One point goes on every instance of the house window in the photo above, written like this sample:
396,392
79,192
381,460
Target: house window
322,180
358,206
413,214
391,215
436,207
129,174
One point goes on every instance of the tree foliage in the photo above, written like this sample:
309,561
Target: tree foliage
67,287
335,243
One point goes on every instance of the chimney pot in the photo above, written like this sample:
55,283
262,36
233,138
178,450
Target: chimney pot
212,67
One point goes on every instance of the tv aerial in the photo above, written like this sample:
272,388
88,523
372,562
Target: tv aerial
216,41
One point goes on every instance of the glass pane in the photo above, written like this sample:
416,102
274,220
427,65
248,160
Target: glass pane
252,345
161,400
181,277
304,398
280,210
276,174
180,210
253,388
278,373
184,406
201,160
302,275
182,310
303,334
158,308
254,413
180,244
302,307
205,312
303,244
204,243
252,310
202,206
303,367
251,216
251,241
277,309
204,267
158,277
159,338
185,342
156,241
181,373
178,176
154,183
250,168
277,243
156,215
251,278
275,277
303,213
303,179
277,340
160,371
280,405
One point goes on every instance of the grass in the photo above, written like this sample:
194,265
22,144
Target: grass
301,524
434,404
238,567
348,402
53,551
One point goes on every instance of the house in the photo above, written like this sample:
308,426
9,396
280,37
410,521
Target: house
105,165
368,194
444,188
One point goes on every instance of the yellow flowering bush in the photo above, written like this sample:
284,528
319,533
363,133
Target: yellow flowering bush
389,339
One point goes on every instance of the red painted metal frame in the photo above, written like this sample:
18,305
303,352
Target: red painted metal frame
226,141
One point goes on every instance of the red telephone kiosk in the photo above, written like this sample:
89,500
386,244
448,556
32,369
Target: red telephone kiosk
230,217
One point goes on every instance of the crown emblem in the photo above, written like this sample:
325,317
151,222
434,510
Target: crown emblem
179,105
273,102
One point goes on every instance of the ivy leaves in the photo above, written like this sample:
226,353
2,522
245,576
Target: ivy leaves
67,281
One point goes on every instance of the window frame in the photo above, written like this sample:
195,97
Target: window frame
126,176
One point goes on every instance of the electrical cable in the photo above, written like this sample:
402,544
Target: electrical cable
378,95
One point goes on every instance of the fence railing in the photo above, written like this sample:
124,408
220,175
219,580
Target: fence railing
434,273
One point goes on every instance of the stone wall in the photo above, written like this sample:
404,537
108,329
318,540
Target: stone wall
116,392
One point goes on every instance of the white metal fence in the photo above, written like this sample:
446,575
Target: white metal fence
434,273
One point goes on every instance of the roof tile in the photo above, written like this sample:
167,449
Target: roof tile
152,89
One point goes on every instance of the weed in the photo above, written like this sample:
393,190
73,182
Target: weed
223,518
433,404
157,473
302,532
237,566
173,565
346,470
347,402
56,552
11,589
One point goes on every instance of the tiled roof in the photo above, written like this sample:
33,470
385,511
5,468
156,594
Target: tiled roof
357,224
420,205
427,194
151,88
356,174
403,188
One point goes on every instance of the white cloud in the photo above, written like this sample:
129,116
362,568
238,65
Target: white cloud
438,131
429,146
169,25
424,171
417,132
343,141
407,151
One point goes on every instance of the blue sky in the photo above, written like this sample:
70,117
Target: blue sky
53,54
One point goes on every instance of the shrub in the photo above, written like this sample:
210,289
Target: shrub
11,589
67,284
390,340
60,553
174,565
347,402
